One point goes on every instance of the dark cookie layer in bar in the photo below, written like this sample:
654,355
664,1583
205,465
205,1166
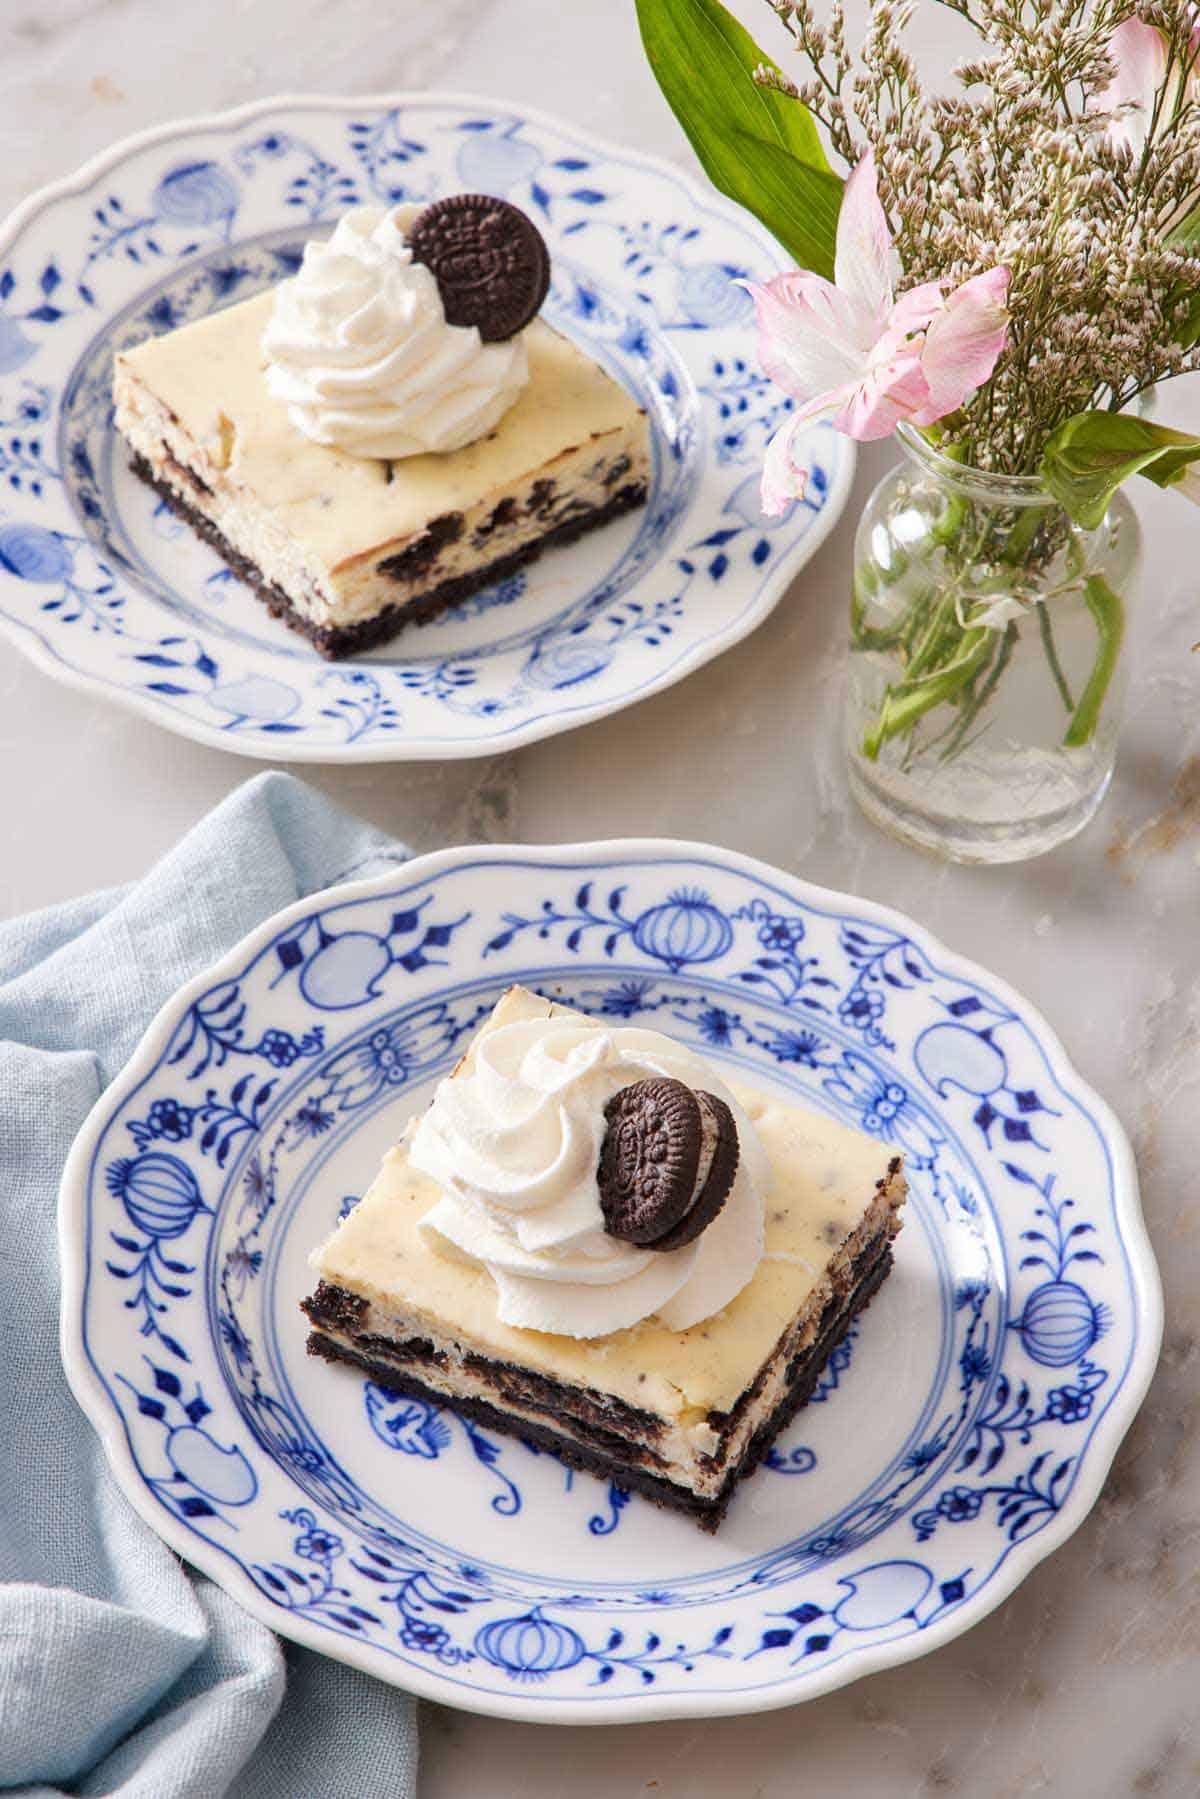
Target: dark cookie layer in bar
335,642
605,1459
336,1309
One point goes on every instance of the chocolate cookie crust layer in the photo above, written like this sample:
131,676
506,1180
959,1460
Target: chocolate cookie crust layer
606,1453
334,643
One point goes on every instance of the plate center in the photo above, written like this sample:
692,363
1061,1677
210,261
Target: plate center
889,1412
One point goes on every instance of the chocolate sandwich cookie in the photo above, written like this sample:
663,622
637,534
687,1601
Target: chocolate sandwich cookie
489,259
714,1177
667,1163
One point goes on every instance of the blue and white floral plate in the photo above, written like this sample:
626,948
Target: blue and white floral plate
105,589
959,1435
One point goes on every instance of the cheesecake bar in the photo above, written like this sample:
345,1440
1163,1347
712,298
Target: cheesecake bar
677,1414
349,549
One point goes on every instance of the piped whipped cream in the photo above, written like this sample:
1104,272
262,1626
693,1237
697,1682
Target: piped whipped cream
514,1145
359,350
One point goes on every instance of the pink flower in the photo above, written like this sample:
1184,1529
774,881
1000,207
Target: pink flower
849,351
1140,55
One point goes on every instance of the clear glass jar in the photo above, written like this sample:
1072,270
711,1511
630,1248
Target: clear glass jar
987,664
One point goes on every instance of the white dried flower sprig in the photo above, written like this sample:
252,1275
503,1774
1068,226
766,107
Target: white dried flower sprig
1036,165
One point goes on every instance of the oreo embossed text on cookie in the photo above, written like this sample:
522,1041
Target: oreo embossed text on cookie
667,1163
489,259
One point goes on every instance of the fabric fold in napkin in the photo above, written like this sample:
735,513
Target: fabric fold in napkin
122,1672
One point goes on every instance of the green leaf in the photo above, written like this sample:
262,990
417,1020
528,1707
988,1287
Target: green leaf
758,146
1187,332
1186,329
1090,455
1187,232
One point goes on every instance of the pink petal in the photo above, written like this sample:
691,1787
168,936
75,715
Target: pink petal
863,262
805,334
892,391
914,309
783,479
964,341
1140,54
782,482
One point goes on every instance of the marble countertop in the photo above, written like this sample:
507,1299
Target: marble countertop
1086,1680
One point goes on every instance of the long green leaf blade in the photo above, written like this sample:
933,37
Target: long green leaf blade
759,147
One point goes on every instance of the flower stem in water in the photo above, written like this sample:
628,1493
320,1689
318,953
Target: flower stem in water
975,705
904,705
1106,608
1056,668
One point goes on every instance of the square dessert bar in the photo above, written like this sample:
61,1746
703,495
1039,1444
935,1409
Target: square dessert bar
349,550
678,1415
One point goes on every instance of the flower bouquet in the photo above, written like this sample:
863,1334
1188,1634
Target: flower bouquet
1004,273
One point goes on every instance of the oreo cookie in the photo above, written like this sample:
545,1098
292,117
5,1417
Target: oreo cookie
667,1163
490,262
719,1152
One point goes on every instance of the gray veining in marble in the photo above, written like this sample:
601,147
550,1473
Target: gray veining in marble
1087,1680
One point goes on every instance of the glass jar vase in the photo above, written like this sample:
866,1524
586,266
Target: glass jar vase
987,665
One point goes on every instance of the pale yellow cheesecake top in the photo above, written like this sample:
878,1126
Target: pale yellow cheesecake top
822,1178
211,376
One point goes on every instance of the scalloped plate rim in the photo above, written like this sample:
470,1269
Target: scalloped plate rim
1017,1564
791,560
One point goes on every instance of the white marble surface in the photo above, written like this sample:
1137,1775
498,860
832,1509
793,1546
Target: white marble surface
1086,1681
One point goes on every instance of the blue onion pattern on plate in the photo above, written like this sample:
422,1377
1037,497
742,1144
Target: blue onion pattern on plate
105,588
959,1434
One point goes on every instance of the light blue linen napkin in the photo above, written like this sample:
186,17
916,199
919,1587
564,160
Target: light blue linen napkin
120,1671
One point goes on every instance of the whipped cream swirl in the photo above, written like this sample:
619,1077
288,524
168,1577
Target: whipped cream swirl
359,350
514,1145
